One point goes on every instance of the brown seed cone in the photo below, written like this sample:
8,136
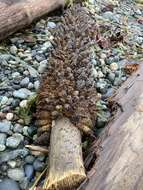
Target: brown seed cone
68,86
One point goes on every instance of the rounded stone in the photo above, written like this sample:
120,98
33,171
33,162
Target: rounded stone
111,76
25,131
16,75
2,147
29,171
23,103
100,74
9,116
5,126
24,82
12,163
29,159
2,138
36,85
24,184
102,87
38,165
4,100
22,93
9,184
114,66
42,67
95,73
13,50
30,85
16,174
18,128
14,141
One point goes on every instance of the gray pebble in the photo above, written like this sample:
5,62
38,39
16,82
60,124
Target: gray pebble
100,74
18,128
117,81
3,100
94,62
29,159
14,141
22,93
109,93
5,126
29,171
11,155
6,57
16,174
108,15
24,183
41,158
30,85
9,184
24,82
38,165
33,72
111,76
39,58
2,147
42,67
16,75
32,130
2,138
46,46
2,141
102,87
13,50
36,85
25,131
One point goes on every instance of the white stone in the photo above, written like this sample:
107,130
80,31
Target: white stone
114,66
9,116
23,104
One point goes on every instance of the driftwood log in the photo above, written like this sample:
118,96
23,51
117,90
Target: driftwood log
66,168
17,14
120,163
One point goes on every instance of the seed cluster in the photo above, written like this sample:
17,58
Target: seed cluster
68,87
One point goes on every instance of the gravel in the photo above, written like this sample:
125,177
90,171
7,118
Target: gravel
10,155
24,58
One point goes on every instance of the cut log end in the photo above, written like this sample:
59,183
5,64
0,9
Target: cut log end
66,169
65,182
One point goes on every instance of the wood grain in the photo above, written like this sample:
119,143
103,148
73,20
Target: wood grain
66,169
15,15
120,163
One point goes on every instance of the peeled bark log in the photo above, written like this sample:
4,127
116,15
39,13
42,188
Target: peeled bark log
120,163
17,14
66,169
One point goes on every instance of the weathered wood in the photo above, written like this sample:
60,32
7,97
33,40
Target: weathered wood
17,14
66,168
120,163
